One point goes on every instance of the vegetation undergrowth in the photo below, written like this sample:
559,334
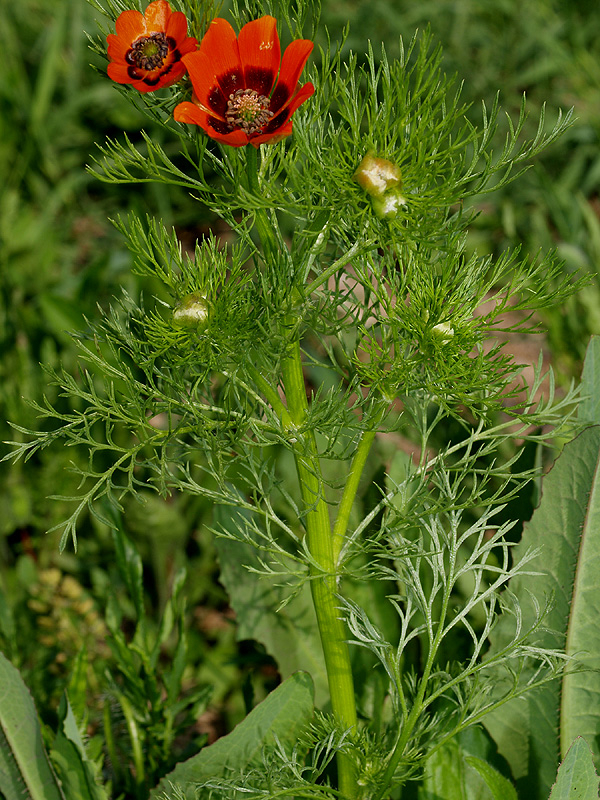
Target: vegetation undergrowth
318,380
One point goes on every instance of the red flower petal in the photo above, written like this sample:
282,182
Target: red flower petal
118,73
207,92
223,64
281,119
157,16
234,139
274,137
177,26
175,74
220,47
260,54
294,59
117,48
301,95
130,25
189,45
192,114
144,87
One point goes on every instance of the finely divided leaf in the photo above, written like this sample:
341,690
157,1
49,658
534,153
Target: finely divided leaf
289,633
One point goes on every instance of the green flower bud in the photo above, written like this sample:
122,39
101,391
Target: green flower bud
443,331
377,175
387,205
192,311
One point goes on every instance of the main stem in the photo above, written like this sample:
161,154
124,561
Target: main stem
322,570
318,529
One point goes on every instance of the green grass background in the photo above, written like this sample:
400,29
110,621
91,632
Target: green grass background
60,257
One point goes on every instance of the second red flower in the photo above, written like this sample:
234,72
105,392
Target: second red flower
147,49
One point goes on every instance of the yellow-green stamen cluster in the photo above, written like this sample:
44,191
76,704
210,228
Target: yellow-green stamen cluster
248,110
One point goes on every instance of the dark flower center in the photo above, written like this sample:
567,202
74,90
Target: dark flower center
149,52
248,110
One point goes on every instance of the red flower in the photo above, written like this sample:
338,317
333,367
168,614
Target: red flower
148,48
244,93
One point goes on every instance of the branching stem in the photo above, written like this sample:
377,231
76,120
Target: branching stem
409,723
356,470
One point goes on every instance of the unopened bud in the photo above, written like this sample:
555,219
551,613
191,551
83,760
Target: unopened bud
377,175
387,205
444,331
192,311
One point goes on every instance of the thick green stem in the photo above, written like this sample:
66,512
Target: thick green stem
323,565
322,570
261,220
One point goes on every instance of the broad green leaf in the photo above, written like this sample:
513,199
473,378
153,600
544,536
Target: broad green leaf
576,778
454,773
445,776
289,633
531,733
284,714
25,773
500,788
69,756
589,408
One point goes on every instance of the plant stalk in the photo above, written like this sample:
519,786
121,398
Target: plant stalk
318,528
350,489
322,570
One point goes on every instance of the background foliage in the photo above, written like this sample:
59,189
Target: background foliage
60,257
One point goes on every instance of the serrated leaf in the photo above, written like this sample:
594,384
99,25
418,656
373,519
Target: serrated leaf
566,526
589,408
284,714
576,778
25,772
